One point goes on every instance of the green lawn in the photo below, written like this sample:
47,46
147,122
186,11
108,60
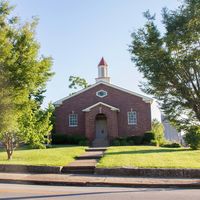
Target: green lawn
150,157
56,156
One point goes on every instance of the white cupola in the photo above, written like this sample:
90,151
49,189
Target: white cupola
103,71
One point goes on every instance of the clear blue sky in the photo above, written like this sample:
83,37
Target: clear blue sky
77,33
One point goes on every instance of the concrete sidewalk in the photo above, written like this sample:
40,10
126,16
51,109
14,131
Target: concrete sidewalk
85,163
97,180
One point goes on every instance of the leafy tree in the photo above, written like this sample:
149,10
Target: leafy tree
38,96
170,62
36,123
22,73
192,137
76,82
158,130
36,126
9,135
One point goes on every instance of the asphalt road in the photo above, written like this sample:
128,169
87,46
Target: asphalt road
18,191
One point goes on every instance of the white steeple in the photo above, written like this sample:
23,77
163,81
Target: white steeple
103,71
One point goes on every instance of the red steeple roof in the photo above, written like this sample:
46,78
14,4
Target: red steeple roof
102,62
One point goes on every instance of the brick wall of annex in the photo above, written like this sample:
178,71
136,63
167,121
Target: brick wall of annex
117,98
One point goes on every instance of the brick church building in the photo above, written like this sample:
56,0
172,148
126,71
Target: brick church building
103,111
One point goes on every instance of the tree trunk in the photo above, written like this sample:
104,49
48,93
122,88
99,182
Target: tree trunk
9,154
9,147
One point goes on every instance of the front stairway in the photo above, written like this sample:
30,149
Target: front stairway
99,142
86,163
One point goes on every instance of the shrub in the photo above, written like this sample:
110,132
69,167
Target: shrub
123,142
75,139
131,142
119,141
59,139
135,139
83,142
116,142
153,142
66,139
172,145
192,137
148,137
158,130
48,146
37,146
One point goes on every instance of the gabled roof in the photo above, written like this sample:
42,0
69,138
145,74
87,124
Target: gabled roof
144,98
100,103
102,62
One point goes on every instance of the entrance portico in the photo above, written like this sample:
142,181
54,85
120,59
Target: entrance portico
101,123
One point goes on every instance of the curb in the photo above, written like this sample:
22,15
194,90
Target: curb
101,184
130,172
149,172
29,169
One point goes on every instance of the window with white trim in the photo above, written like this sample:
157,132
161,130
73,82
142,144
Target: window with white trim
73,120
132,118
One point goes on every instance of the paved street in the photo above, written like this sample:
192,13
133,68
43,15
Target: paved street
17,191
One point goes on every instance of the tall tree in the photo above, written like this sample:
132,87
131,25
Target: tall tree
22,73
76,81
36,125
170,62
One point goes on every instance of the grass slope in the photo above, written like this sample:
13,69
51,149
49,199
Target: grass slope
150,157
56,156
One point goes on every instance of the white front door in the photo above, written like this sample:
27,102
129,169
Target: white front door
101,129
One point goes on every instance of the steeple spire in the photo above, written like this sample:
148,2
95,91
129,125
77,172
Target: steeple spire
102,62
103,71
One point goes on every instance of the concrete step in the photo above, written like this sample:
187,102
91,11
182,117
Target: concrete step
81,170
90,155
100,143
96,149
81,167
83,163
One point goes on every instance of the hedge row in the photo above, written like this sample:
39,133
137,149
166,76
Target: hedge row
147,139
134,140
130,140
66,139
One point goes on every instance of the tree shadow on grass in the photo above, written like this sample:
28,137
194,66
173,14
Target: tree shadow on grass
27,147
147,151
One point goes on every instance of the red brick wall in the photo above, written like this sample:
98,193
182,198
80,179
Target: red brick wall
117,98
